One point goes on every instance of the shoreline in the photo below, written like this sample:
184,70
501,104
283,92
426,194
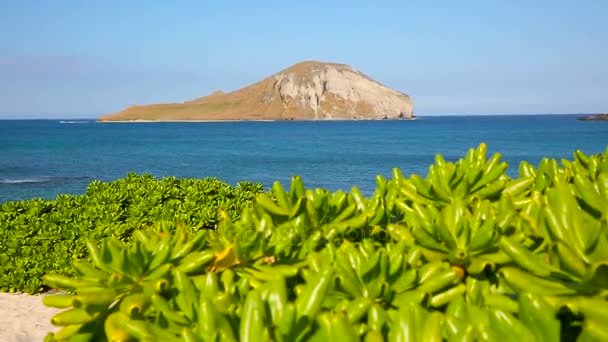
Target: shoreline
203,121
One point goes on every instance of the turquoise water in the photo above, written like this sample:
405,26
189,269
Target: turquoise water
44,158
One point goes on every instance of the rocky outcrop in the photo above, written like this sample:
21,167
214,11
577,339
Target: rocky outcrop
595,117
305,91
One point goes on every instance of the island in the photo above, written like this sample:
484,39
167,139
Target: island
308,90
594,117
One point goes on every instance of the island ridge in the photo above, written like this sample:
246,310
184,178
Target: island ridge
305,91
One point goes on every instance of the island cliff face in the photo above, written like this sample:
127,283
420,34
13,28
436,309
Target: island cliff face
304,91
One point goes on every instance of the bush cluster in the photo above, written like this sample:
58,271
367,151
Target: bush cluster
39,236
467,253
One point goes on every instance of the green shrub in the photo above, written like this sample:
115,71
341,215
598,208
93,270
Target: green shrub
466,253
37,236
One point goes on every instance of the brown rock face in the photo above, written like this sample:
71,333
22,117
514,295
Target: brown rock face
304,91
595,117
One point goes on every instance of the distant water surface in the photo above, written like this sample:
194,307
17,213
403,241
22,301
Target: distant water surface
44,158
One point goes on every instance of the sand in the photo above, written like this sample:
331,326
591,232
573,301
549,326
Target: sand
23,318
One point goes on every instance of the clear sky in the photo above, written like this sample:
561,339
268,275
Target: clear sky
83,58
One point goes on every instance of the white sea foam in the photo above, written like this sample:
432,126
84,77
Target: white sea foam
38,179
24,180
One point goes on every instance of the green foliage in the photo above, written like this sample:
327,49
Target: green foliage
466,253
37,236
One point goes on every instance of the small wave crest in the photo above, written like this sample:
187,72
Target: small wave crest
32,180
73,122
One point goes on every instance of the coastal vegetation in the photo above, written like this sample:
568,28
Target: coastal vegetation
40,236
465,253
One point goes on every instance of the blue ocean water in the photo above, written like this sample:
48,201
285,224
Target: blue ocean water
44,158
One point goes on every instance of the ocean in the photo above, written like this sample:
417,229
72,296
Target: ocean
44,158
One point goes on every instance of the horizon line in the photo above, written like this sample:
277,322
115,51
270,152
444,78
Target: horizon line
33,117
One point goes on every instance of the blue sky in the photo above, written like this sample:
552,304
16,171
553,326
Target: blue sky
85,58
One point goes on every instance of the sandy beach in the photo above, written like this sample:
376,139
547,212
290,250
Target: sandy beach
23,318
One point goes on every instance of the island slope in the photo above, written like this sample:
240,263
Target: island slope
305,91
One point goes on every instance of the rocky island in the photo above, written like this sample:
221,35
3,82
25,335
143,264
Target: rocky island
594,117
305,91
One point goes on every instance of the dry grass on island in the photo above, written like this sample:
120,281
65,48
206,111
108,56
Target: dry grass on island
305,91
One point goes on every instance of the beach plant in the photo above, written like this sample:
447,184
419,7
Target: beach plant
467,253
41,236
